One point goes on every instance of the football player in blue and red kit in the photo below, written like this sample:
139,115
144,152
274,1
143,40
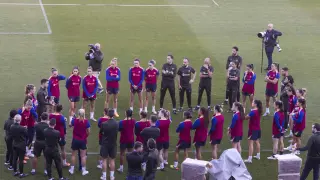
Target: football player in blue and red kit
136,77
151,76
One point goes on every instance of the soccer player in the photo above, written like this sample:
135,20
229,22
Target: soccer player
254,132
236,127
8,138
249,78
54,88
140,125
134,160
136,77
277,129
90,86
299,123
81,131
233,83
206,72
272,79
29,92
200,126
40,143
126,128
108,148
151,76
113,76
51,151
216,130
235,58
73,87
169,71
163,140
184,143
100,121
62,128
186,76
19,134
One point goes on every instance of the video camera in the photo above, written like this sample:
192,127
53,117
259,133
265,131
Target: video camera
91,50
263,34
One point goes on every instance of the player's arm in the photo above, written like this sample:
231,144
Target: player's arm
180,127
276,79
196,124
277,121
252,80
108,77
120,126
251,114
34,113
88,128
96,86
234,121
213,124
136,129
49,88
130,78
85,88
61,77
63,122
142,77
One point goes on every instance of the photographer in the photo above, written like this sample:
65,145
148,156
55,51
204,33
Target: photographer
95,58
270,41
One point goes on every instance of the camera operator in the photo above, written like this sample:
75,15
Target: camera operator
270,41
95,58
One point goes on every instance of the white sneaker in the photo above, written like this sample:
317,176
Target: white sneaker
289,148
93,119
29,154
71,171
165,162
112,178
99,166
247,161
272,157
103,177
288,136
290,141
154,112
120,170
266,114
85,172
158,168
297,152
143,166
256,157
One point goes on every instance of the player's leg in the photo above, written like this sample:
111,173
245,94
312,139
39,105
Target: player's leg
146,100
214,152
92,106
154,98
131,99
140,97
106,103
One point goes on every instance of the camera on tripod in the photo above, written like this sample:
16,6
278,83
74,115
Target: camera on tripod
263,34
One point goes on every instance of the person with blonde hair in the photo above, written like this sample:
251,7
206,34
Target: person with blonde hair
90,86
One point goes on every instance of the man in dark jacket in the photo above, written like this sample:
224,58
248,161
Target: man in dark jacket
8,138
313,157
151,160
134,160
150,132
42,98
270,39
95,58
286,83
19,134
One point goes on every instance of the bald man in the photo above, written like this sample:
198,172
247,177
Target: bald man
270,39
95,59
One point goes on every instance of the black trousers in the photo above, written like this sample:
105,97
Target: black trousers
53,155
238,93
311,163
182,91
149,176
168,86
9,153
204,87
18,153
41,109
232,90
286,119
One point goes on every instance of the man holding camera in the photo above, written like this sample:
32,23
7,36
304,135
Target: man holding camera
95,58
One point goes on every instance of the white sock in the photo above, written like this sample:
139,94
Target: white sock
100,162
83,168
45,172
145,109
33,170
175,164
72,168
121,166
250,158
131,108
104,174
153,108
115,109
267,110
161,165
140,109
165,161
258,154
27,149
290,132
91,115
111,173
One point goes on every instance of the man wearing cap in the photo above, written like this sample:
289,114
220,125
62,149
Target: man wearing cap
95,61
270,39
151,76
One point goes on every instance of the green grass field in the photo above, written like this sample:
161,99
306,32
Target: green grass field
151,32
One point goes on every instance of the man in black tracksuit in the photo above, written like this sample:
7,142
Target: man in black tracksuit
8,138
134,160
184,81
233,84
169,71
51,151
205,83
151,160
270,41
42,98
19,134
40,144
150,132
287,82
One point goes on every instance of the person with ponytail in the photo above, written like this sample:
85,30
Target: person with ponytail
101,120
54,88
126,128
254,130
29,92
151,77
90,86
140,125
73,89
216,130
184,143
248,80
236,127
163,140
272,79
201,130
277,129
113,76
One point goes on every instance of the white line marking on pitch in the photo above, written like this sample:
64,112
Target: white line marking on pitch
215,2
45,17
24,33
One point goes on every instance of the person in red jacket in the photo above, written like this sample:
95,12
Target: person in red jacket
299,123
163,140
216,130
235,130
272,79
136,77
254,132
90,86
140,125
249,78
54,87
73,87
151,76
201,130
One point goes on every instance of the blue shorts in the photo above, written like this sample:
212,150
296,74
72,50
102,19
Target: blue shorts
112,90
183,145
255,135
296,133
162,145
139,90
74,98
199,143
271,93
215,141
124,146
62,142
78,145
236,139
277,136
151,87
56,100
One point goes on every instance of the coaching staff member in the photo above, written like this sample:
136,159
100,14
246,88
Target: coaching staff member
42,98
169,71
134,160
51,151
270,39
235,58
8,138
186,76
286,83
19,134
313,157
151,160
233,84
206,71
150,132
95,58
108,148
